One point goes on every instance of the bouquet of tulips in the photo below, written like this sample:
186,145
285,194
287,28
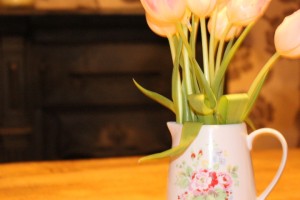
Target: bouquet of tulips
198,85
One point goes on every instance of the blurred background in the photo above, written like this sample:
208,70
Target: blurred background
66,70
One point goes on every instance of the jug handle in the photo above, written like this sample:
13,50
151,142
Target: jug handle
284,146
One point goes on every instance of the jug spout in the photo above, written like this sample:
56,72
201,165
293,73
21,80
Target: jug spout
175,130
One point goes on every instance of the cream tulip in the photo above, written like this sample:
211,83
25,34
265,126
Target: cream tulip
201,8
243,12
222,1
287,36
222,25
165,10
161,28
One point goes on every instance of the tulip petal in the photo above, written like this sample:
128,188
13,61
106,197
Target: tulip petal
172,10
243,12
201,8
151,7
161,28
287,37
221,25
165,10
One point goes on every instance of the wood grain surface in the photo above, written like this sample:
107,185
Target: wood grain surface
123,178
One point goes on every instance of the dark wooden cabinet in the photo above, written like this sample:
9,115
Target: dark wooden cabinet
16,130
67,90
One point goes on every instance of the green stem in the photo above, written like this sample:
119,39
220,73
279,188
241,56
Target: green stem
221,88
187,86
186,68
204,49
199,73
189,81
228,47
192,57
221,48
212,47
187,113
193,37
172,47
176,83
187,73
193,43
226,60
184,39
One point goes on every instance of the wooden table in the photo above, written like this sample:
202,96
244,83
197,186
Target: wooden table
123,178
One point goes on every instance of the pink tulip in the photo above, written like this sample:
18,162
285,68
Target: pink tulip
222,1
161,28
165,10
221,25
201,8
287,36
243,12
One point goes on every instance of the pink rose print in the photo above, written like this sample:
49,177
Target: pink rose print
224,180
200,182
203,181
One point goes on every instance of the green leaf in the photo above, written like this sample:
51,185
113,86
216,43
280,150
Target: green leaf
189,171
216,166
203,83
198,103
200,198
183,181
231,108
258,83
207,119
156,97
250,123
221,194
189,132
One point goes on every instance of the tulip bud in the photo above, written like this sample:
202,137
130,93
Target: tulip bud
287,36
165,10
222,25
161,28
201,8
243,12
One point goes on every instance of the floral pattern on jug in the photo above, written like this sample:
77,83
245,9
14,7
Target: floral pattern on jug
202,182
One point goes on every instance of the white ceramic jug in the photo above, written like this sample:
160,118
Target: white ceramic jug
217,165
